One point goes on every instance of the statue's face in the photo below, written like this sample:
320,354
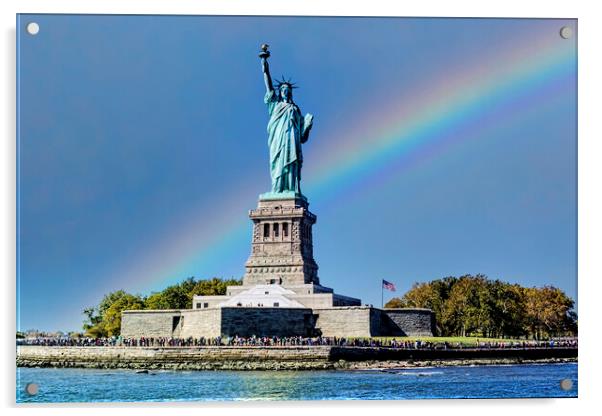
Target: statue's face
286,92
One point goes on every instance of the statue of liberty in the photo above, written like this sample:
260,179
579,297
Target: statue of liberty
287,129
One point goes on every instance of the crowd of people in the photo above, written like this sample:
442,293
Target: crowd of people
274,341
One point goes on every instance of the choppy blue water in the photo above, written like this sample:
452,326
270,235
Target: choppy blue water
85,385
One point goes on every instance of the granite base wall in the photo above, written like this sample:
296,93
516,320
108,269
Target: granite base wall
201,323
149,323
246,322
344,321
408,322
363,321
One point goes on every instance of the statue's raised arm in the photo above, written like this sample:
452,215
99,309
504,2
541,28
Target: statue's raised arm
267,78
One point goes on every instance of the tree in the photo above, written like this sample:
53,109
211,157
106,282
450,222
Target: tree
558,316
549,312
476,305
212,287
457,316
507,309
431,295
93,321
180,296
396,303
109,300
173,297
112,316
105,320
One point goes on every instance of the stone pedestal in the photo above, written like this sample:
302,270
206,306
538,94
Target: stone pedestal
281,246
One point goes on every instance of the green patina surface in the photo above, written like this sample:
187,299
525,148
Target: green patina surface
267,196
287,129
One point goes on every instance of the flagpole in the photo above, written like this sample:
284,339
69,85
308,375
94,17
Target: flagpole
382,290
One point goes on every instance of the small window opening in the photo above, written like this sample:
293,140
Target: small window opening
175,322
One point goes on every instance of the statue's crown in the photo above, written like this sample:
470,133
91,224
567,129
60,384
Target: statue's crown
288,82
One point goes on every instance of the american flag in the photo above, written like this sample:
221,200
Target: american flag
388,285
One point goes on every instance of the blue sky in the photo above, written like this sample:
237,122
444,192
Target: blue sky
139,134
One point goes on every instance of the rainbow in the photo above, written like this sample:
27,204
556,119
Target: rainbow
397,135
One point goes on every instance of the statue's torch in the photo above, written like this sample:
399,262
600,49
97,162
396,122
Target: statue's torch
264,54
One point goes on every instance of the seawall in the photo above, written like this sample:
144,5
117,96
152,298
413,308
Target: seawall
271,358
177,358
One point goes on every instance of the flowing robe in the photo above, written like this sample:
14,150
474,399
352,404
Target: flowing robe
287,129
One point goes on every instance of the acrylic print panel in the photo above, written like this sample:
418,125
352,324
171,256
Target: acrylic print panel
172,171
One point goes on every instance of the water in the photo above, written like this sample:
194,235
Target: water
86,385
